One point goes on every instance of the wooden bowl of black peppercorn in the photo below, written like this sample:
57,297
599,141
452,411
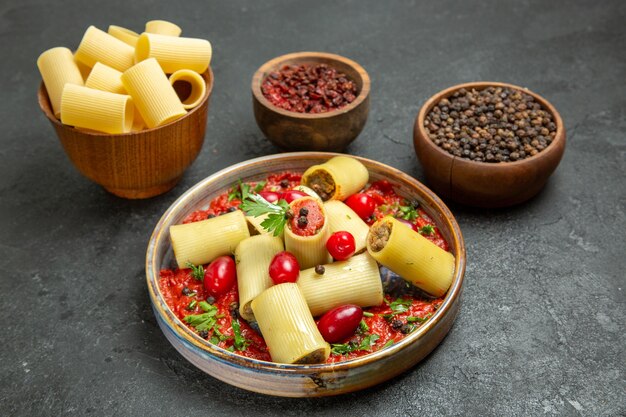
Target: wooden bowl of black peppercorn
488,144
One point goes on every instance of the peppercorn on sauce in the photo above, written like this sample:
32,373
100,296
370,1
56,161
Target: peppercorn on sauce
382,326
307,218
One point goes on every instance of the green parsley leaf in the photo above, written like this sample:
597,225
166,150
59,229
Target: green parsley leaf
368,314
197,272
428,230
400,305
415,319
363,327
368,342
407,213
256,206
241,343
341,348
204,321
389,343
259,186
192,305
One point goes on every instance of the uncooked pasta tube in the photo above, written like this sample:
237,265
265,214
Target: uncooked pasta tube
337,178
203,241
411,255
96,110
153,94
105,78
84,69
57,68
190,87
253,257
308,244
355,281
163,27
99,46
343,218
174,53
125,35
288,326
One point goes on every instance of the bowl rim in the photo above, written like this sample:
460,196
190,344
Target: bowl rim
46,108
258,77
420,134
223,355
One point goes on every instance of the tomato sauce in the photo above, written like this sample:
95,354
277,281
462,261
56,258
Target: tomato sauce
314,217
382,325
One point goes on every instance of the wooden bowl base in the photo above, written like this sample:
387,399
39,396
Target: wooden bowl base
136,194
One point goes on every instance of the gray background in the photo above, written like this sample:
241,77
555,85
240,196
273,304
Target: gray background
541,328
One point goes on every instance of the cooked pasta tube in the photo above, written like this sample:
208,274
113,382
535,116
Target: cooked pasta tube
308,241
343,218
411,255
105,78
253,257
337,178
355,281
97,110
288,326
57,68
255,223
125,35
189,86
203,241
174,53
306,190
99,46
153,94
163,27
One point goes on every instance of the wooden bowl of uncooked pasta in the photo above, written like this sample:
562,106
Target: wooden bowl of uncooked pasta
232,355
130,113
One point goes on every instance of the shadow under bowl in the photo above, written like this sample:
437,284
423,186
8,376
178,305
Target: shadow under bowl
138,164
301,380
483,184
330,131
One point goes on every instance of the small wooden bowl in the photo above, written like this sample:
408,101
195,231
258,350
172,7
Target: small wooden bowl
331,131
138,164
483,184
302,380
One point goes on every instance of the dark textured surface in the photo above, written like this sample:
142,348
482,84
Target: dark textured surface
541,329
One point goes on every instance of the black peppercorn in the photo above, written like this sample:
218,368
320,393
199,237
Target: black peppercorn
210,299
231,209
304,211
186,291
302,222
210,216
319,269
396,324
284,183
204,334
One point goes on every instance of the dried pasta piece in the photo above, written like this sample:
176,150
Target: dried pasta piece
174,53
253,257
96,110
337,178
163,27
84,69
288,326
190,87
411,255
203,241
105,78
99,46
57,68
355,281
343,218
125,35
308,250
153,94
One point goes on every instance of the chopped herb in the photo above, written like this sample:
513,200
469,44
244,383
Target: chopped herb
255,205
389,343
197,272
348,216
241,343
259,186
192,305
400,305
415,319
368,314
363,327
407,213
204,321
344,348
428,230
240,191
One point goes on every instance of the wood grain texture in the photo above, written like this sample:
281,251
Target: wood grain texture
138,164
482,184
331,131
